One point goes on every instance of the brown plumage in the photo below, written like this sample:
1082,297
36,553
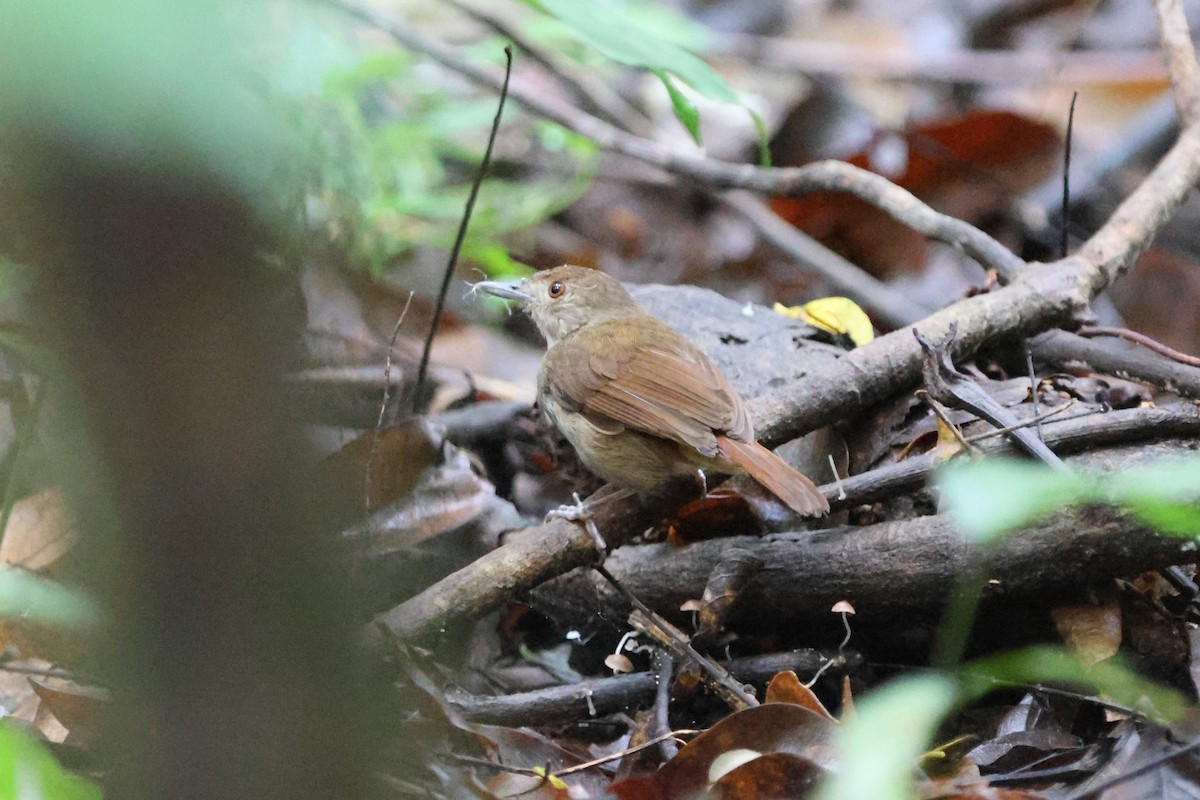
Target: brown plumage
639,402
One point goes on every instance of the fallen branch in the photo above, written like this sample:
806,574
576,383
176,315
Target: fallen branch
1180,55
552,548
621,693
1067,350
885,569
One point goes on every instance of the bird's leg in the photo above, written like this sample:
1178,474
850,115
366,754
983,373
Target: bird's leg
581,512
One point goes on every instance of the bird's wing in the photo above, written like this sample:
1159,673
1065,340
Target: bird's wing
656,382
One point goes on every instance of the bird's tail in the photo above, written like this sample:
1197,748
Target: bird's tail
787,483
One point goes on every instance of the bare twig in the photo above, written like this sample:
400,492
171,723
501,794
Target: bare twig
943,416
883,303
1064,244
387,387
728,687
1035,420
1095,790
1180,55
595,97
462,230
592,697
1145,341
541,772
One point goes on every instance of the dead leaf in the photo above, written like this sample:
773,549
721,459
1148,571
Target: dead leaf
967,167
786,687
73,704
40,531
948,444
1092,632
736,743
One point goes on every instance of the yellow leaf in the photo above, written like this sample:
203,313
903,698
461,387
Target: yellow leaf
553,779
948,445
840,316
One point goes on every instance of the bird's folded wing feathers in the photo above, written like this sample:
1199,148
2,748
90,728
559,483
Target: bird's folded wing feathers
660,384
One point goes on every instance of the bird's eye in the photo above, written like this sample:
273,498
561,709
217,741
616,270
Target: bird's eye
557,289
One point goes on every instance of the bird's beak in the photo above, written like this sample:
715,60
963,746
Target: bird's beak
505,289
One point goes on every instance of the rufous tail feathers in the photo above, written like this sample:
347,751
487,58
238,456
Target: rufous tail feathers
789,485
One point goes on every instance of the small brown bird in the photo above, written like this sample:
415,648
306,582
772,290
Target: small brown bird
639,402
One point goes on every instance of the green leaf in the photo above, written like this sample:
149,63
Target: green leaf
496,262
625,39
28,770
685,110
1165,494
764,148
28,597
889,731
995,495
1035,665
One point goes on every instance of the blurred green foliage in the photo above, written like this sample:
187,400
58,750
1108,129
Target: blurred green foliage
27,770
993,496
395,156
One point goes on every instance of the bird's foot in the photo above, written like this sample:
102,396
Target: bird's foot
581,512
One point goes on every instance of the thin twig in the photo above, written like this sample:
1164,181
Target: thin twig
1034,420
1033,390
596,98
884,303
541,772
50,672
462,230
725,683
1064,245
387,386
1154,763
1145,341
944,416
669,735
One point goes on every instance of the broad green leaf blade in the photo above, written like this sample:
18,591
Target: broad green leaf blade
28,597
685,110
995,495
1036,665
891,728
27,770
622,38
1166,494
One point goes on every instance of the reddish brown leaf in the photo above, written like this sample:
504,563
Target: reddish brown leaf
967,167
786,687
774,775
398,456
74,705
736,742
715,514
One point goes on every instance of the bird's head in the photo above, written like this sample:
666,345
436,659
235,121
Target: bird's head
564,299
